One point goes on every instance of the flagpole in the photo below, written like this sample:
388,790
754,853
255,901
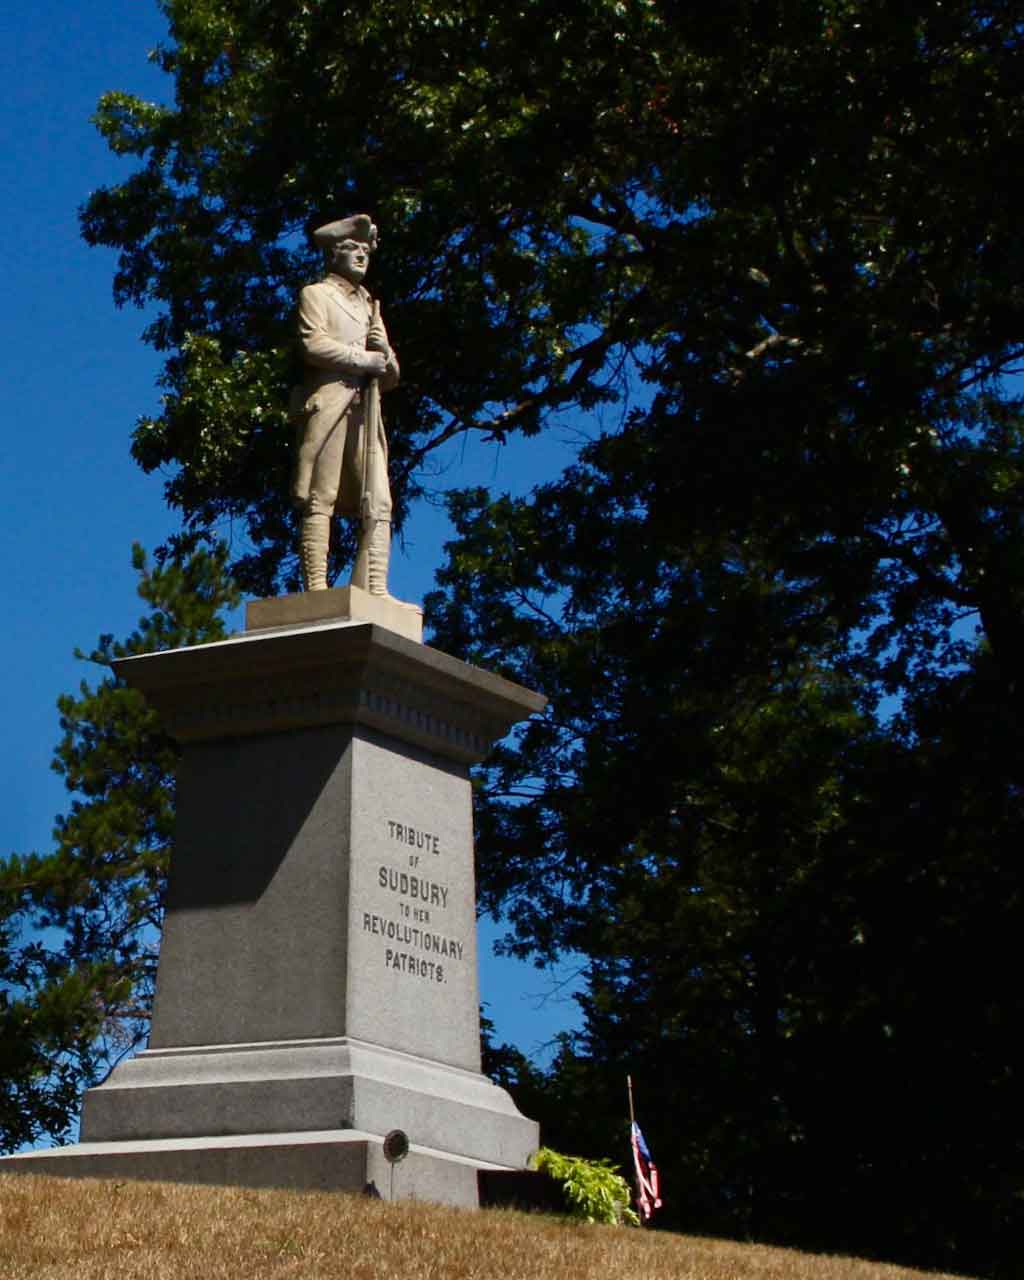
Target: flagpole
648,1195
632,1122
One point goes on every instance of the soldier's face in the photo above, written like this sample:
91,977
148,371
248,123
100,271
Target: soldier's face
350,260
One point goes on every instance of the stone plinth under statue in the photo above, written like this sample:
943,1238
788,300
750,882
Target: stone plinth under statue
317,984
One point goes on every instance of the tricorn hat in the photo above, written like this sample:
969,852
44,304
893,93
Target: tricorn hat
359,226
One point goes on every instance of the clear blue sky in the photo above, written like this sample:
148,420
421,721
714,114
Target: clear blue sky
75,378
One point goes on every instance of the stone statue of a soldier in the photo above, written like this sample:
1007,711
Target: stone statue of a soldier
342,465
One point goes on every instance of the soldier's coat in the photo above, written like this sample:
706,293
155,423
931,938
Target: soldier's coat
333,321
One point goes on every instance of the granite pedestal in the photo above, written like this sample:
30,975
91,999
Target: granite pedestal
317,984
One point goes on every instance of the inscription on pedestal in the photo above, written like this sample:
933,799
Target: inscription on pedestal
414,837
412,933
413,910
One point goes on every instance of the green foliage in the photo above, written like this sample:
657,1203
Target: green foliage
789,915
753,212
79,925
594,1189
48,1023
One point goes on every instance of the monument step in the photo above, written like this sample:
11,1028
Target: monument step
314,1085
326,1160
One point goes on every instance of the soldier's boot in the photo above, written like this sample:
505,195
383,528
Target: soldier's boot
361,568
313,542
378,555
370,571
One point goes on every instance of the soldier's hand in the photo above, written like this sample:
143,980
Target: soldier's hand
376,339
376,364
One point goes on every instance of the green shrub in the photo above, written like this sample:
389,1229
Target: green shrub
594,1189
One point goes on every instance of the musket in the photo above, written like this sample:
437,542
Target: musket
371,426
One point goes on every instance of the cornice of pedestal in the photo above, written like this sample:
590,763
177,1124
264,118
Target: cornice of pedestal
335,672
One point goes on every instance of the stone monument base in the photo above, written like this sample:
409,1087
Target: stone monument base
326,1160
317,985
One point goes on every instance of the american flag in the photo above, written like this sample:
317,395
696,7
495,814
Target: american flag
648,1191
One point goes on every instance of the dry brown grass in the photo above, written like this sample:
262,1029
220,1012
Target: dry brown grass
52,1229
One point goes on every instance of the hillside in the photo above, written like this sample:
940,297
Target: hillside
52,1229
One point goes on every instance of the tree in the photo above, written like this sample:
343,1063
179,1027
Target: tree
678,819
755,211
47,1032
770,243
795,920
79,926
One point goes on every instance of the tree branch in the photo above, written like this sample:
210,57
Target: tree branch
588,358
